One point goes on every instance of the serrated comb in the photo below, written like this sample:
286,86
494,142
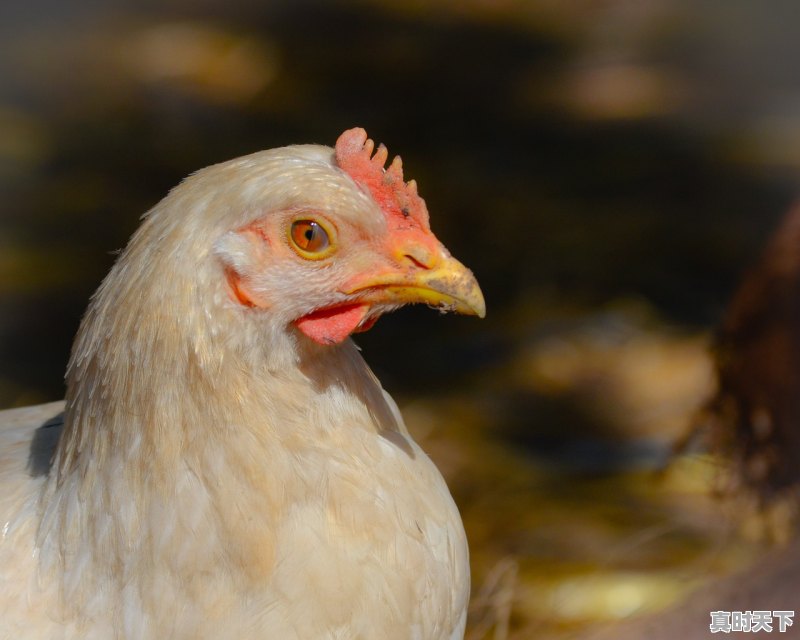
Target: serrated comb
399,200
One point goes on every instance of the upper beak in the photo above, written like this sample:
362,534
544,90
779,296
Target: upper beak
441,282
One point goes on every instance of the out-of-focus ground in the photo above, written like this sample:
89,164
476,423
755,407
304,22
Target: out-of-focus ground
608,170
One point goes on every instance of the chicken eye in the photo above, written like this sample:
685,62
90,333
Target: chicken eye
309,236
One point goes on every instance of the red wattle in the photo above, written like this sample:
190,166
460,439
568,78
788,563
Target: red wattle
331,326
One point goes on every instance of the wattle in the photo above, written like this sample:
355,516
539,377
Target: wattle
331,326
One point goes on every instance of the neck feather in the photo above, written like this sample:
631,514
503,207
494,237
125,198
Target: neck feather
191,411
165,363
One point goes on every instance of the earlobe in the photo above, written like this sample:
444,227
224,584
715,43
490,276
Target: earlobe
240,256
237,289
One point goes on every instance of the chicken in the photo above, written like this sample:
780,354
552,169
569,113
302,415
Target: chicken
226,465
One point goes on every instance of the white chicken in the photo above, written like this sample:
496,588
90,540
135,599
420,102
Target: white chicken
227,466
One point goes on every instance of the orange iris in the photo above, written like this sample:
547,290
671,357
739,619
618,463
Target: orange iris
309,236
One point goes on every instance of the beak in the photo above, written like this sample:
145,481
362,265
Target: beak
442,282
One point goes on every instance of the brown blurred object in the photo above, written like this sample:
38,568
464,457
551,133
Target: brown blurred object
755,424
771,585
756,412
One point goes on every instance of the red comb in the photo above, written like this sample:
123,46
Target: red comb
399,200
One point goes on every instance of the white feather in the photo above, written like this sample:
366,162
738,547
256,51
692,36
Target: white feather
219,476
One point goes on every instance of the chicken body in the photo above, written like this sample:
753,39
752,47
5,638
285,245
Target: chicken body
228,466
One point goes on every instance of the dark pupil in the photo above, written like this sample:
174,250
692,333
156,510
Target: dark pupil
309,234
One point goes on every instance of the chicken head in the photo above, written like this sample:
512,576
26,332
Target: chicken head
356,245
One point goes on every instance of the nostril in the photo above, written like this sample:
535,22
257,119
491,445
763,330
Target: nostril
419,257
416,262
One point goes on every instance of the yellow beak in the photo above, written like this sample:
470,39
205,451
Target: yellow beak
448,285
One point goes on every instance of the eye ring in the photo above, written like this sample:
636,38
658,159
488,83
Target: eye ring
310,238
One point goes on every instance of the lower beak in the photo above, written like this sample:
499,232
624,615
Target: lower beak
448,286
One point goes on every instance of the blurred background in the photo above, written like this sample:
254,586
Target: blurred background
608,169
